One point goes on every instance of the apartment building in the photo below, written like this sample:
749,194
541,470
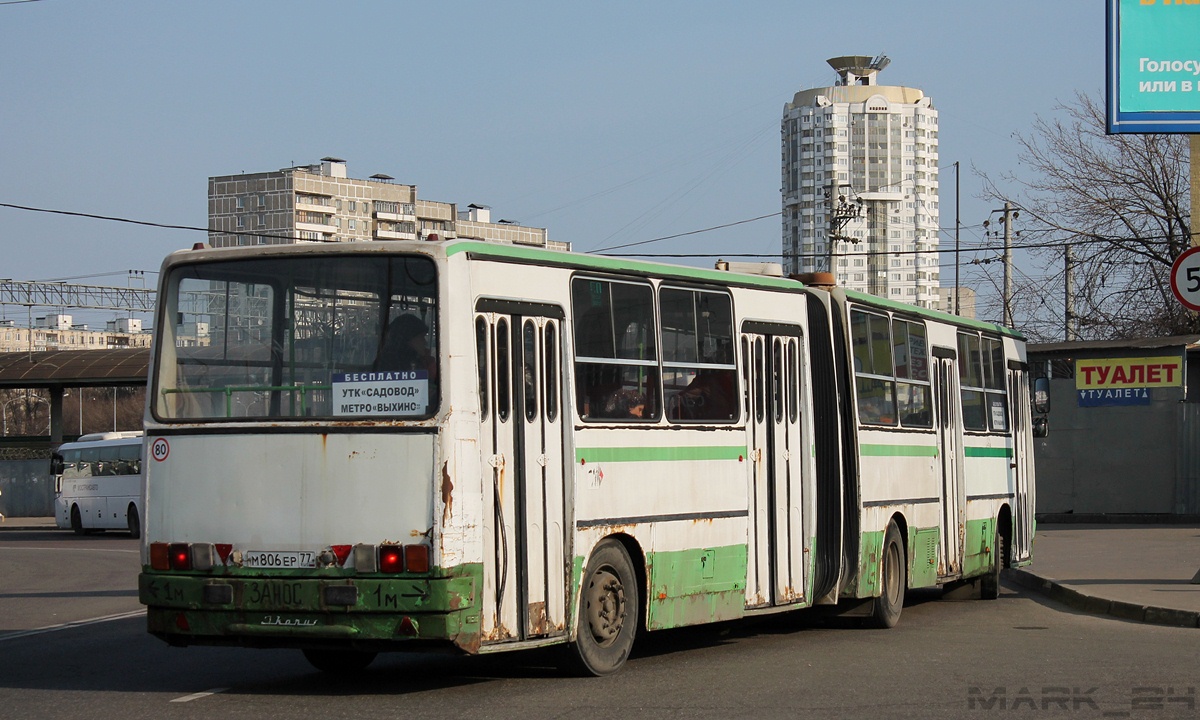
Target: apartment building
59,332
860,184
321,203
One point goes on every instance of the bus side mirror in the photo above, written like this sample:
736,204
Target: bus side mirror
1041,426
1041,395
56,464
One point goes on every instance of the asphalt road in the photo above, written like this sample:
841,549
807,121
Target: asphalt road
1019,656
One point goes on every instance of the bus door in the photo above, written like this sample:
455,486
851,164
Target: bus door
1022,462
950,450
776,560
522,445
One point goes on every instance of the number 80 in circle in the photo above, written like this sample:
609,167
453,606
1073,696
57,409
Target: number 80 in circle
160,449
1185,278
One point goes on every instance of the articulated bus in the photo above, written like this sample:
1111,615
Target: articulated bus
98,483
483,447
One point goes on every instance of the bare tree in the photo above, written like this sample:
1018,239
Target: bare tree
1122,202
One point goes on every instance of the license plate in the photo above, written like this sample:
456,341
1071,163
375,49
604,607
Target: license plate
271,559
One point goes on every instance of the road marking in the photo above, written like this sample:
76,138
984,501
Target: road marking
69,625
199,695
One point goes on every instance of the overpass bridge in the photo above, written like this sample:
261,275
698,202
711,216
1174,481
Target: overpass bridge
58,370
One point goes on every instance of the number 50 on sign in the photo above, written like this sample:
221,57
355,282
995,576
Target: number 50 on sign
1185,278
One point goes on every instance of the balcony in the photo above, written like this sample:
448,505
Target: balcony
395,235
395,212
316,227
315,205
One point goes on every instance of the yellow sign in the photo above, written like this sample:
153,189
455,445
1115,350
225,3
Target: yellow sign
1096,374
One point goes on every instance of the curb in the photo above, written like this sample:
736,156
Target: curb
1093,605
15,526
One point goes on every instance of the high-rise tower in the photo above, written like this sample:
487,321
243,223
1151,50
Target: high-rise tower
860,184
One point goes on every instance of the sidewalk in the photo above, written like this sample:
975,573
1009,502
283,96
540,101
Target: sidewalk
1134,572
27,523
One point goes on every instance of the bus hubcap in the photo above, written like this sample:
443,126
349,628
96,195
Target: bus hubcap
605,606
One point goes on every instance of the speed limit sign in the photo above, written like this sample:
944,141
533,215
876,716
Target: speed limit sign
1185,278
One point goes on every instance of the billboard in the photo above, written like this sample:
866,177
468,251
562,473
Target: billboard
1101,382
1153,49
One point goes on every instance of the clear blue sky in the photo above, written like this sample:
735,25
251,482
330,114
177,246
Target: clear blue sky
606,123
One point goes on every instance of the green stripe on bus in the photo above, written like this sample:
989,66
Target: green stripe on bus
987,452
936,315
660,454
558,258
898,450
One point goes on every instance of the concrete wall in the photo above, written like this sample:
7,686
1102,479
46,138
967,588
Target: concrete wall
1121,459
26,488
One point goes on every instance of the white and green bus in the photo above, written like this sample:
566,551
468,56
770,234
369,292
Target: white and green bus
356,448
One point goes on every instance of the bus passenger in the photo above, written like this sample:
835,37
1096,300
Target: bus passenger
624,403
405,347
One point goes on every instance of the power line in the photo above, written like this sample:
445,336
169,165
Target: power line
602,251
1078,240
146,223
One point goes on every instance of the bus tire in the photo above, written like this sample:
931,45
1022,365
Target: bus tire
76,520
339,662
133,521
885,610
989,585
608,612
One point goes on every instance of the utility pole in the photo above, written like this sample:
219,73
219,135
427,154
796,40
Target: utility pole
957,225
841,211
1069,316
1008,218
1194,148
1010,214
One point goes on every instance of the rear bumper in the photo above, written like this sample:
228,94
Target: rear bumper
308,612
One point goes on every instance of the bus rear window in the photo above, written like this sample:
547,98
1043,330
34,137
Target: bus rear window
299,337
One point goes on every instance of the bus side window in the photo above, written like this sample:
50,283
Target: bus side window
71,465
129,460
616,353
89,462
108,461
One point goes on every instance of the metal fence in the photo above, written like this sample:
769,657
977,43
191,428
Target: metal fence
26,488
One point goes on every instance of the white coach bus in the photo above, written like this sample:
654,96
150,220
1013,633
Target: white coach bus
355,448
98,483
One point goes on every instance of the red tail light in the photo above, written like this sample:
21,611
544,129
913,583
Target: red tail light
160,556
181,556
391,559
416,558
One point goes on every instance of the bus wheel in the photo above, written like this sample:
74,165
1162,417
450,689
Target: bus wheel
135,525
989,585
76,520
608,612
339,662
885,612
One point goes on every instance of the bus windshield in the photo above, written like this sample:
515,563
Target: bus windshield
299,337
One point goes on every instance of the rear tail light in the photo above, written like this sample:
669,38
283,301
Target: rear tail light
391,558
160,556
181,556
416,558
401,558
